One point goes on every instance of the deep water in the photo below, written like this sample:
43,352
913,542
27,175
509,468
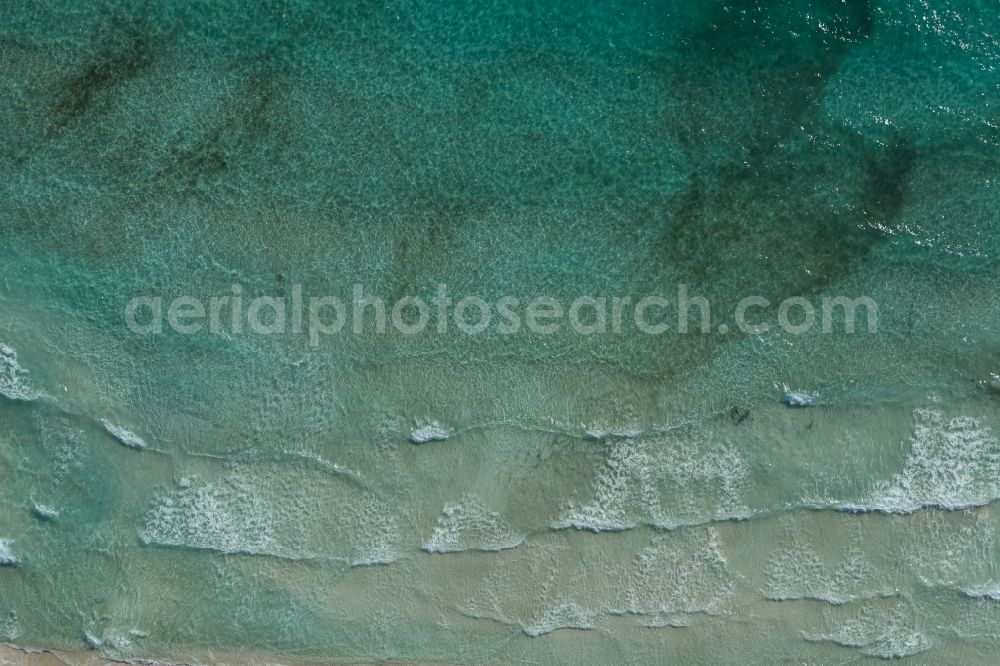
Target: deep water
605,498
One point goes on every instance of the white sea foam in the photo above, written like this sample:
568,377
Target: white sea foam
94,642
10,629
539,588
679,573
798,572
45,512
799,399
271,512
124,437
545,587
887,633
67,445
7,557
13,378
612,433
991,592
951,551
953,463
372,533
661,621
469,525
117,642
229,518
562,615
661,481
430,432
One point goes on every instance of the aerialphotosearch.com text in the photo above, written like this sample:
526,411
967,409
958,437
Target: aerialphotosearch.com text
365,313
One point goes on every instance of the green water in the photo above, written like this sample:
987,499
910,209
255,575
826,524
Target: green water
561,149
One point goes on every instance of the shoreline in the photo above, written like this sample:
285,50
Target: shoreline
15,655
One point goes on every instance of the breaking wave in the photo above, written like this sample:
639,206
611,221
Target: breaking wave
953,463
13,378
469,525
664,482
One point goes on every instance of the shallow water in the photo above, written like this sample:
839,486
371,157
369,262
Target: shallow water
606,498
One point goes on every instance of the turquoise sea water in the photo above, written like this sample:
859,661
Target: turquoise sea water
615,498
